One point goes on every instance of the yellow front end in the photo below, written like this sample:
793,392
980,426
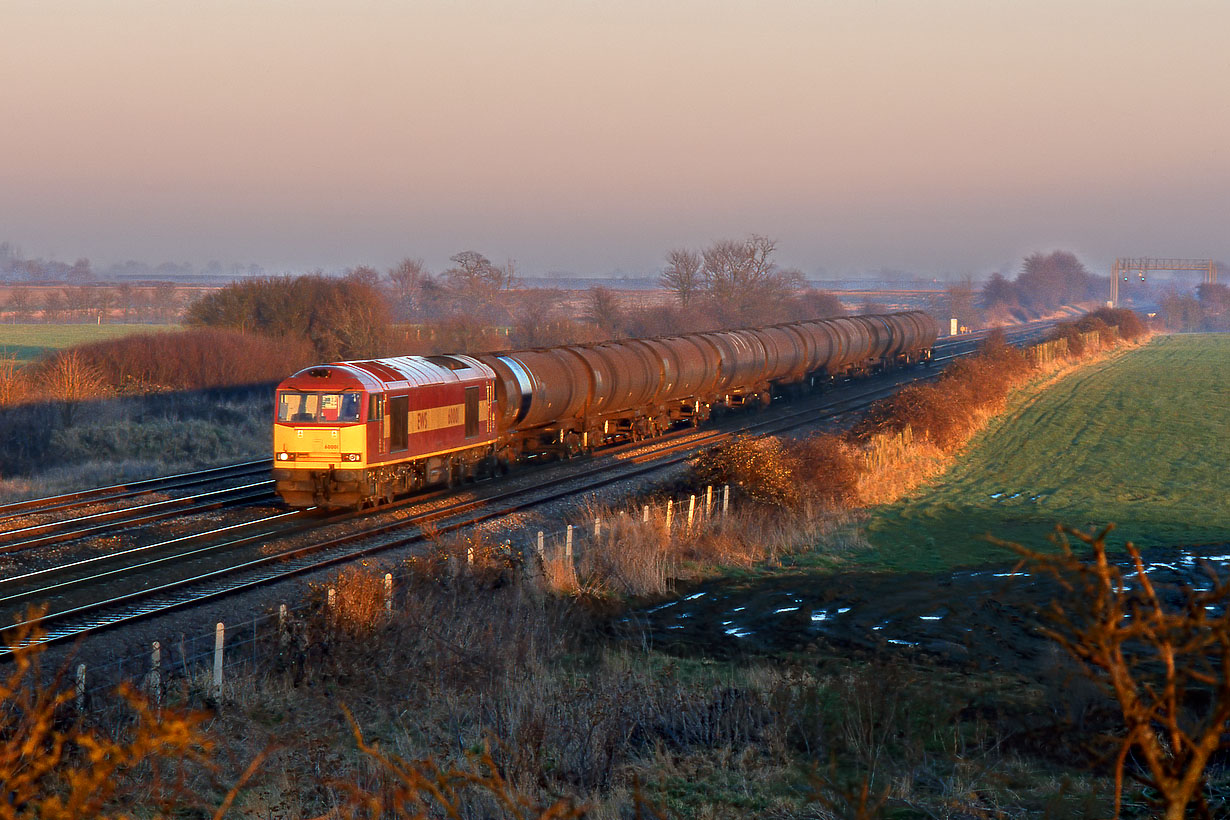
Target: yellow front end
319,465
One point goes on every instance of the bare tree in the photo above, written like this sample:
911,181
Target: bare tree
20,303
70,379
406,283
743,282
365,274
479,285
682,275
603,308
13,384
1164,654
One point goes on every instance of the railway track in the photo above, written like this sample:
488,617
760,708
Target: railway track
133,489
164,576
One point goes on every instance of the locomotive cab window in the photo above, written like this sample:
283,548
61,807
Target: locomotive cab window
296,406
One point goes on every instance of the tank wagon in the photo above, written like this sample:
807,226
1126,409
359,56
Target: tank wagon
351,433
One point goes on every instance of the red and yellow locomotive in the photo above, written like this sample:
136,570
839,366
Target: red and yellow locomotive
352,432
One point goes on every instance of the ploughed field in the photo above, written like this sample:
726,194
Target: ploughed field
1139,440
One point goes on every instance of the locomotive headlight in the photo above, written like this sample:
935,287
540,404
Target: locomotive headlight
350,457
286,456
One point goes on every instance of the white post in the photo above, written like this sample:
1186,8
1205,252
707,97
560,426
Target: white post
597,528
283,630
645,516
155,674
670,512
470,555
388,593
725,499
541,546
691,510
219,637
568,541
81,687
708,501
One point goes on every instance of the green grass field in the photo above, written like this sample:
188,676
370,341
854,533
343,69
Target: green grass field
28,342
1139,440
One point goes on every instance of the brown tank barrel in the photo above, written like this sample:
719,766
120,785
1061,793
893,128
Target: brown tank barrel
664,359
630,375
879,335
535,387
742,358
786,354
700,365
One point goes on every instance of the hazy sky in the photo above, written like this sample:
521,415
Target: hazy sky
939,136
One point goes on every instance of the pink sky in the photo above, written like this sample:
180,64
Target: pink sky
939,136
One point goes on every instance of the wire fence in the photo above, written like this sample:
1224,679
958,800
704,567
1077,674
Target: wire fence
205,665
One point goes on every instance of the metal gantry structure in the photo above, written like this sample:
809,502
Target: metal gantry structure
1125,267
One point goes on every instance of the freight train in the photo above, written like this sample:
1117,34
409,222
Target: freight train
349,434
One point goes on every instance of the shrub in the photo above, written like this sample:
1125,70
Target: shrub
759,467
826,467
193,359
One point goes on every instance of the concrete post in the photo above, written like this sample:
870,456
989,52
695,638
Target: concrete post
691,510
708,501
388,593
670,511
80,687
725,499
645,515
568,542
219,638
542,546
155,674
283,626
597,528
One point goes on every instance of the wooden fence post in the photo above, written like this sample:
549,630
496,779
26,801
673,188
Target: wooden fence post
219,638
670,511
708,501
283,627
691,510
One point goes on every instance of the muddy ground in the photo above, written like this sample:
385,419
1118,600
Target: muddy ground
985,618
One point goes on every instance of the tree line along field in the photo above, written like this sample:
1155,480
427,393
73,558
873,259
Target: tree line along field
27,343
1137,440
